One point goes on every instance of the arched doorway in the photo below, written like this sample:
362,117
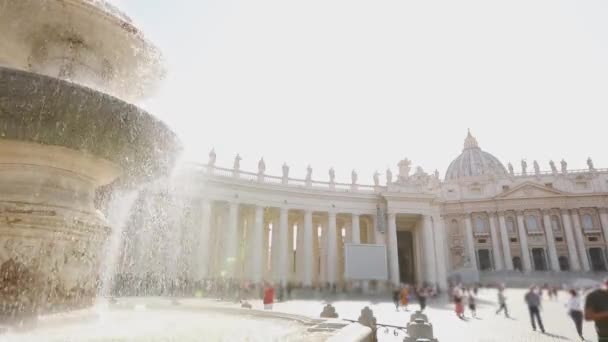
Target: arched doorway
405,247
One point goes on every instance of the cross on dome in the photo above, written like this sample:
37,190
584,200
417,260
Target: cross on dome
470,141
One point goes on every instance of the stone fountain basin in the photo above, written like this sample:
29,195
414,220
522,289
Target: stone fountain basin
49,111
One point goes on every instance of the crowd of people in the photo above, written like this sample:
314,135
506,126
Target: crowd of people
593,306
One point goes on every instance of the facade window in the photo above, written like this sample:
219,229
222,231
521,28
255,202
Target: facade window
587,222
510,225
532,223
556,224
480,225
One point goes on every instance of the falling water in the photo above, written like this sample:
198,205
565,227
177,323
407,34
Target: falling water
119,211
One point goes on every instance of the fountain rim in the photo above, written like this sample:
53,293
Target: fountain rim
127,117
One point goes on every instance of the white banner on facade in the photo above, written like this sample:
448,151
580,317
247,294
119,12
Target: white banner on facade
365,262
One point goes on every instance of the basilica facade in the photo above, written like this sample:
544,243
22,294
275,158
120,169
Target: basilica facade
481,218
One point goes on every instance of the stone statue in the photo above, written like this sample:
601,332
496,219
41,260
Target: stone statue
212,157
332,175
536,168
524,167
261,166
376,178
564,166
237,162
553,168
389,176
353,176
590,164
510,166
309,173
285,170
404,168
436,173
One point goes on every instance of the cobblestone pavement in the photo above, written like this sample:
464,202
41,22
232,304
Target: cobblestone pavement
488,327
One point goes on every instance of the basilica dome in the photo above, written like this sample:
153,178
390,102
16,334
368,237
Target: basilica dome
473,161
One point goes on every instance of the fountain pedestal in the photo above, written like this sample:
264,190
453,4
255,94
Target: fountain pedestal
51,235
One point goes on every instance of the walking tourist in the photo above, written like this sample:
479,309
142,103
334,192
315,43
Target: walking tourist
268,297
472,303
502,302
596,309
396,297
576,312
458,305
405,292
533,300
422,293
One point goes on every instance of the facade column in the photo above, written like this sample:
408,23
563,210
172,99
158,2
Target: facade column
205,239
392,249
470,245
429,249
523,242
580,240
574,261
604,222
441,261
283,248
355,234
550,240
504,237
308,255
232,240
257,245
498,262
332,252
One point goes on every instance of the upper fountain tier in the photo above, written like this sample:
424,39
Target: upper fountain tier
88,42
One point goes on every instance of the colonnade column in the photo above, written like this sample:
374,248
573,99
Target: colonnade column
470,241
307,255
231,242
550,240
523,242
574,261
204,238
257,241
498,262
429,249
332,255
355,230
283,248
504,237
392,251
604,222
580,240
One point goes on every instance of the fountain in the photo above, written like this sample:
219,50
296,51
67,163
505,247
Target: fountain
69,146
64,135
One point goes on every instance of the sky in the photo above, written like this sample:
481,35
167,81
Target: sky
360,85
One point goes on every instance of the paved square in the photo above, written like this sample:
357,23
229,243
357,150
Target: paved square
488,327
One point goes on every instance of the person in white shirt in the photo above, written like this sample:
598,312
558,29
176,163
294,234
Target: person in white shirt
575,310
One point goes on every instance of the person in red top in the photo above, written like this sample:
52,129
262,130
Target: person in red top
268,297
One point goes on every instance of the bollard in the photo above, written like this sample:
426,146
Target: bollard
329,312
419,331
367,318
